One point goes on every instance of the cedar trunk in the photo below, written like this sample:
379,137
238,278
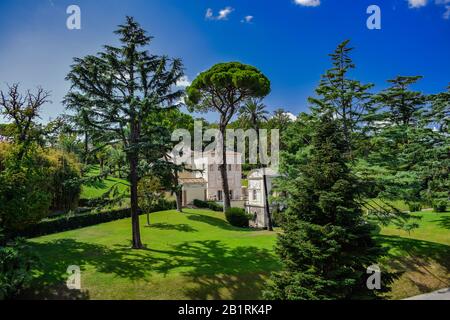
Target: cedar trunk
136,233
179,197
224,175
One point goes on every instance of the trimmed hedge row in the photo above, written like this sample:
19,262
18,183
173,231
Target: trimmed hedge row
66,223
208,205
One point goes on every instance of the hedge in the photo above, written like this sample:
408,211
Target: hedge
237,217
66,223
208,205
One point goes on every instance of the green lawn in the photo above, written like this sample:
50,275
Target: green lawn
422,257
196,255
96,190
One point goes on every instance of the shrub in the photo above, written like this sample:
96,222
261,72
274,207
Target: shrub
415,207
24,199
64,173
16,262
35,184
214,206
277,218
440,205
201,204
237,217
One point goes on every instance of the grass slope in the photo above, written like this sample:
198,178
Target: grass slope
195,255
96,190
198,255
422,257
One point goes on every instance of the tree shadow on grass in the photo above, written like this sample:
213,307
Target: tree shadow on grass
418,256
220,272
216,222
173,227
443,222
214,270
53,292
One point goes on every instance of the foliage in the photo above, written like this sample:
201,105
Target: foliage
200,203
16,263
237,217
349,100
25,195
115,91
224,89
149,192
64,175
326,245
440,205
214,206
415,207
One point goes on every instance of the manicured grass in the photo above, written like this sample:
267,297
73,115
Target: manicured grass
96,190
198,255
195,255
422,257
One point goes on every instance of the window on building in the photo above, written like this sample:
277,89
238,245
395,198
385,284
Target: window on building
211,167
255,195
229,167
231,194
219,195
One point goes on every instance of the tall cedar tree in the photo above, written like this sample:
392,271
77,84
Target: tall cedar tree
326,245
118,89
400,140
348,99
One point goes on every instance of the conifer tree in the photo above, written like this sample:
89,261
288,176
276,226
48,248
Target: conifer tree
116,90
349,100
326,245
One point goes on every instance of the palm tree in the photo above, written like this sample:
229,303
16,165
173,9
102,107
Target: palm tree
253,113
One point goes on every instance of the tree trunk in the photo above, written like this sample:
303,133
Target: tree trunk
266,196
86,147
179,197
224,175
148,219
136,233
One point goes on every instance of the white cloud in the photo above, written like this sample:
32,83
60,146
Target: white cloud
446,14
184,82
417,3
224,13
291,116
308,3
247,19
209,14
423,3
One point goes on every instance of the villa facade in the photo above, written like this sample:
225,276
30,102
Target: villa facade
256,203
206,183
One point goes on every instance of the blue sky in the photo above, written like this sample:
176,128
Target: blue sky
289,40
